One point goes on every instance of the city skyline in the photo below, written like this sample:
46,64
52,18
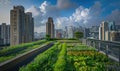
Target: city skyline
65,12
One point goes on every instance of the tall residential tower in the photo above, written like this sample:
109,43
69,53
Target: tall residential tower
21,26
50,27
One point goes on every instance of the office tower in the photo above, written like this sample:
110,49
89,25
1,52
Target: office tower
5,34
94,32
21,26
115,36
50,27
117,27
100,32
86,32
29,27
58,33
107,35
17,25
65,34
104,26
70,32
111,26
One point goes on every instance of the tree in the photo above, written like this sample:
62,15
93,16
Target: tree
78,34
47,37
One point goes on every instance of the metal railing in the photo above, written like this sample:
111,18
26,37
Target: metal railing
110,48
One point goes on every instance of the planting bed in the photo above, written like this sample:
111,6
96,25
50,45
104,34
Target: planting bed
70,56
13,51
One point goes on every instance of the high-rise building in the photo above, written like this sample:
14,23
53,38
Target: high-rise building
5,34
107,35
58,33
111,26
21,26
29,27
17,27
86,32
115,36
117,27
50,27
94,32
107,30
65,33
100,32
70,32
104,29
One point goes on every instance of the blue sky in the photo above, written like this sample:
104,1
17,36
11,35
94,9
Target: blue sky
109,5
65,12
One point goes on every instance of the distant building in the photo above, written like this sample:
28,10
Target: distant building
100,32
65,32
111,26
117,27
70,32
115,36
86,32
109,31
102,29
4,34
29,27
107,35
21,26
104,26
58,33
50,27
94,32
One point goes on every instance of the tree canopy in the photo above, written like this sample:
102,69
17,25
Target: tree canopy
78,34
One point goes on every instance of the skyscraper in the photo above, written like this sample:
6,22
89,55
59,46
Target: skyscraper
70,32
100,32
50,27
22,26
104,26
102,29
111,26
86,32
5,34
29,27
115,36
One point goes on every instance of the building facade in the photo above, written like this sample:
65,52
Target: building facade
109,31
58,33
86,32
4,34
70,32
104,26
50,27
29,27
115,36
111,26
100,32
19,26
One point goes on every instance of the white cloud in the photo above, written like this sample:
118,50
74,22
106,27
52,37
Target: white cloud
35,11
43,6
82,16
